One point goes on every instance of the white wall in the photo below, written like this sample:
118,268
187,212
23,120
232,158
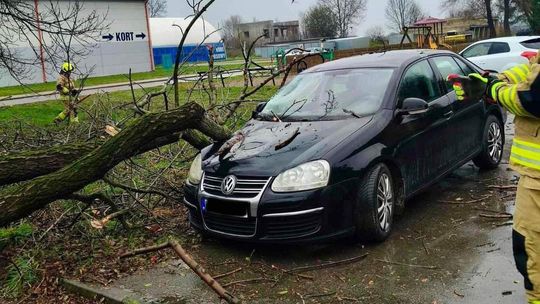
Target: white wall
107,57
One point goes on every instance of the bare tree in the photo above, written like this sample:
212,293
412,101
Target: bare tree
229,32
347,13
157,8
60,31
319,21
464,8
376,33
402,13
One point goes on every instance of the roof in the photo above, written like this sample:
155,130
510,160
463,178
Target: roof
391,59
429,20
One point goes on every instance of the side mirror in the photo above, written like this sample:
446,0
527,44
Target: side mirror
258,109
412,106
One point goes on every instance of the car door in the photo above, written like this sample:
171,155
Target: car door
422,137
467,121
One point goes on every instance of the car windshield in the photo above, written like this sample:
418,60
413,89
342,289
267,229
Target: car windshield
330,95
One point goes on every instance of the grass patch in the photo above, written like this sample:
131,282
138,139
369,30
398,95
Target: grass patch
42,114
21,273
159,72
15,234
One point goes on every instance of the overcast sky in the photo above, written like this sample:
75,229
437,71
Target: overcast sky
283,10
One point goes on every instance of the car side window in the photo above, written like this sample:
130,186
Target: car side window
499,48
464,67
480,49
446,66
419,81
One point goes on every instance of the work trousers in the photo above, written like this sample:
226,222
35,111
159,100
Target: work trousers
526,236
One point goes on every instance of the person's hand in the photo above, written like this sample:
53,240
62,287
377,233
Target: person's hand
74,92
473,86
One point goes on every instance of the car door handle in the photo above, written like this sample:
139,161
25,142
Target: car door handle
449,114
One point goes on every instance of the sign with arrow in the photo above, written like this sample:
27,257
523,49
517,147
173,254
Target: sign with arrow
124,36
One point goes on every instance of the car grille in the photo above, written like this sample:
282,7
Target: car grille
292,226
246,187
244,226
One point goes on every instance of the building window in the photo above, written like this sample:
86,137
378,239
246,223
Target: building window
266,33
276,32
246,34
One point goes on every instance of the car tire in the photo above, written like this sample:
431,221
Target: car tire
492,145
375,205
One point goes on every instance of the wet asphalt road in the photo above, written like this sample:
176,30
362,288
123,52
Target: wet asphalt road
448,253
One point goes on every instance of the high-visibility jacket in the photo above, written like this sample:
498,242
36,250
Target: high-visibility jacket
64,85
518,91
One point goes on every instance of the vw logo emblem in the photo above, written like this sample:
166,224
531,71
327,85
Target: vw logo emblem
228,184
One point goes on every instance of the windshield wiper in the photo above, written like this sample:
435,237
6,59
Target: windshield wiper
353,113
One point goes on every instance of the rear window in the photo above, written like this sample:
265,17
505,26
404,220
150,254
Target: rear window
532,43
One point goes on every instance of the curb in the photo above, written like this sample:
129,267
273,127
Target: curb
102,295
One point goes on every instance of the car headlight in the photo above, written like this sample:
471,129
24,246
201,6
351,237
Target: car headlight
195,171
307,176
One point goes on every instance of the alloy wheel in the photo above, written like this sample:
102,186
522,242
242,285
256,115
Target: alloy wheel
495,142
385,200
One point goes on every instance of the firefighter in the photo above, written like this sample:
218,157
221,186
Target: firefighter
67,91
518,91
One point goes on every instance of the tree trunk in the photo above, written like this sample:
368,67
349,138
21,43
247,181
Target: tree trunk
16,167
507,12
491,22
21,200
22,166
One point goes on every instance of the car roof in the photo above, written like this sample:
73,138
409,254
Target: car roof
390,59
510,39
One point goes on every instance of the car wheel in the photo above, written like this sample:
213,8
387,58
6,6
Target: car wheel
374,212
492,144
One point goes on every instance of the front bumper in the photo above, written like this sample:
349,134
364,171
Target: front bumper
307,216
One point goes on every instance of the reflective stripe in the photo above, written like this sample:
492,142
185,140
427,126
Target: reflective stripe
526,154
513,77
504,97
521,72
529,145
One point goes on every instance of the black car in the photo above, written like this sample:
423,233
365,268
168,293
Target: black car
338,150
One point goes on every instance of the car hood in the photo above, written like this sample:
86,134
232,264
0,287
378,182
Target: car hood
264,148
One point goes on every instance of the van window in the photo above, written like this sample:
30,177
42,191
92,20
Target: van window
419,81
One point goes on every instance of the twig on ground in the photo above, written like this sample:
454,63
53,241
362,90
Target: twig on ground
504,187
497,216
254,280
466,202
327,265
321,295
408,265
219,276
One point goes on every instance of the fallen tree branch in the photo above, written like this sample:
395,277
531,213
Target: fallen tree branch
497,216
504,187
219,276
21,200
196,267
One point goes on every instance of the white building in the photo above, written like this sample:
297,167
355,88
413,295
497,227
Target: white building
166,36
125,44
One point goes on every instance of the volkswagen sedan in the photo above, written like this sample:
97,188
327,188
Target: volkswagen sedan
338,150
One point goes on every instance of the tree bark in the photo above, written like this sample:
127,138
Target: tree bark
21,200
491,22
16,167
26,165
507,12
